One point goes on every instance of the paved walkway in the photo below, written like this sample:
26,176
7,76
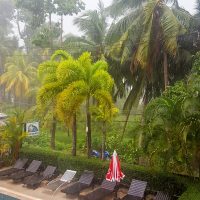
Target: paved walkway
18,190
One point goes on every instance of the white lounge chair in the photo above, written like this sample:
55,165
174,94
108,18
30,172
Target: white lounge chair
67,177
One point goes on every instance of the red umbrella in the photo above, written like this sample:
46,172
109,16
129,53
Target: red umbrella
114,172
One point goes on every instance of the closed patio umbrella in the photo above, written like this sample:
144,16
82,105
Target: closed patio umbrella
114,172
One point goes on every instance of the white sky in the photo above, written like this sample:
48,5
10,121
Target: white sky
92,5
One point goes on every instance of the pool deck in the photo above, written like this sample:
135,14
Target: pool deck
18,190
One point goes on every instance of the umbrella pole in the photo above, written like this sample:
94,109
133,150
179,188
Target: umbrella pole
116,190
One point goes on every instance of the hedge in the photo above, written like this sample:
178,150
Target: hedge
156,180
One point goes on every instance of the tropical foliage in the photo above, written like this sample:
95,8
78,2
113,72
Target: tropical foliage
67,83
12,135
150,44
87,81
50,88
134,51
19,75
172,125
93,24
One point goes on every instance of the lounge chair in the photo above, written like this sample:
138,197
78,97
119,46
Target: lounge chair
136,190
67,177
84,182
19,165
106,189
32,169
162,196
35,180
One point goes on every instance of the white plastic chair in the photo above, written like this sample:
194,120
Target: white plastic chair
67,177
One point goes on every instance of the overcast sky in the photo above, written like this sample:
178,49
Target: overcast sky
92,4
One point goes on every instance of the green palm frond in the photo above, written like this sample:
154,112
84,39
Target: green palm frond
85,60
100,65
129,40
116,30
171,28
94,26
103,98
71,39
119,7
47,68
60,54
90,24
19,74
47,93
183,16
101,80
70,99
69,71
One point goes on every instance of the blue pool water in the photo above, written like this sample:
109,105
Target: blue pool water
5,197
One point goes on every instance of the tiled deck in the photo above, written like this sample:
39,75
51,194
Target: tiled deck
18,190
21,192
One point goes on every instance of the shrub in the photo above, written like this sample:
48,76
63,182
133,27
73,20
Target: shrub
127,149
41,140
156,180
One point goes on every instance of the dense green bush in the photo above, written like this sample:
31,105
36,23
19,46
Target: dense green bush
41,140
127,149
156,180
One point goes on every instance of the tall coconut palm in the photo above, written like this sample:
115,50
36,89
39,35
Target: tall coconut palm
156,37
18,75
146,38
87,81
94,25
198,8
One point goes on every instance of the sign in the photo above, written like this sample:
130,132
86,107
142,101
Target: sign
32,128
3,116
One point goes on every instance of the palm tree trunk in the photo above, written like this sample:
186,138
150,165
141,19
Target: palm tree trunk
166,80
53,132
18,27
61,34
103,140
51,34
1,86
74,127
125,124
88,127
16,151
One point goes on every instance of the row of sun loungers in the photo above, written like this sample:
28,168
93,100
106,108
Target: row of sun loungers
32,179
19,165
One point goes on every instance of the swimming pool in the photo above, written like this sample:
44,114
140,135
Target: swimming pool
6,197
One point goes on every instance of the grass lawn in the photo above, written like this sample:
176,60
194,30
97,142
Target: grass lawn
192,193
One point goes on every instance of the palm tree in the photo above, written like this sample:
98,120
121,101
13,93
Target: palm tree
87,81
104,114
145,39
50,88
64,8
198,8
18,75
156,37
94,26
12,134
